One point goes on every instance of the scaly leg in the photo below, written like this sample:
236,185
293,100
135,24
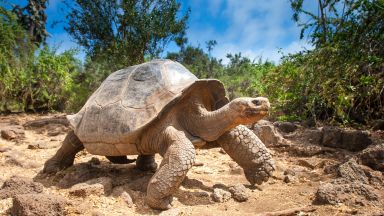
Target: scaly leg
65,156
178,159
246,149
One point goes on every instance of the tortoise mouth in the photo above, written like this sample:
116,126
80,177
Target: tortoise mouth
257,111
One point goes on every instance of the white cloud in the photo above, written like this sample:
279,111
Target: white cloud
254,28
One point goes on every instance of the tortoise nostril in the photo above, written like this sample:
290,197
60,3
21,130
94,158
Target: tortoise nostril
256,102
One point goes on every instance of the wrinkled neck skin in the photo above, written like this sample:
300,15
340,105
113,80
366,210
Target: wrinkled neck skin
191,117
205,124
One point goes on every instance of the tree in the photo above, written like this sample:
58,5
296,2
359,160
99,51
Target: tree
198,62
124,32
33,19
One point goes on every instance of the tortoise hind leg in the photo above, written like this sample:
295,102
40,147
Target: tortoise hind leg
120,159
65,156
146,163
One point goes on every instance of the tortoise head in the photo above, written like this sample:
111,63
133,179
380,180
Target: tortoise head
250,110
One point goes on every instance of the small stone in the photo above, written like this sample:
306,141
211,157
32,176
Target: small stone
289,172
222,151
53,133
220,195
4,148
306,163
8,134
12,132
95,161
127,199
38,204
239,193
99,186
19,185
289,179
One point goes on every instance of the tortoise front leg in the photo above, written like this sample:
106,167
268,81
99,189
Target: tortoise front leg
246,149
178,159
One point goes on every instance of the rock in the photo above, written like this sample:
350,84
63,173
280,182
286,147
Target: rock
285,127
348,193
38,204
4,148
267,133
220,195
352,140
306,163
53,132
378,124
99,186
331,137
8,134
352,172
239,192
373,157
12,132
171,212
19,185
355,140
314,136
57,120
289,172
289,179
127,199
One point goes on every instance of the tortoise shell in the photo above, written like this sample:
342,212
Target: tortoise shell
116,114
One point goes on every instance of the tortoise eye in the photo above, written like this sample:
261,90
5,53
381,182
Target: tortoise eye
256,102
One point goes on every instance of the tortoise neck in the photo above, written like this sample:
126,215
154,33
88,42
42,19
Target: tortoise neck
208,125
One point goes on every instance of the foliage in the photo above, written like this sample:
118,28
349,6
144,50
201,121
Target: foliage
33,19
342,79
32,79
197,61
122,33
241,76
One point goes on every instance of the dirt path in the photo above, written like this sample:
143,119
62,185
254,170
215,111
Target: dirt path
216,170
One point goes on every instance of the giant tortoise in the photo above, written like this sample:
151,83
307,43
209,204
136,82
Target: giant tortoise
160,107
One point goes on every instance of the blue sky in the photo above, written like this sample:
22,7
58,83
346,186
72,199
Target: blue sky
256,28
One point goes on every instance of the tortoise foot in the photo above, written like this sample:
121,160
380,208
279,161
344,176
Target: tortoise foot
161,204
53,166
146,163
120,159
258,175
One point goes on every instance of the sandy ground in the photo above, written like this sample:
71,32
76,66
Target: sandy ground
193,196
